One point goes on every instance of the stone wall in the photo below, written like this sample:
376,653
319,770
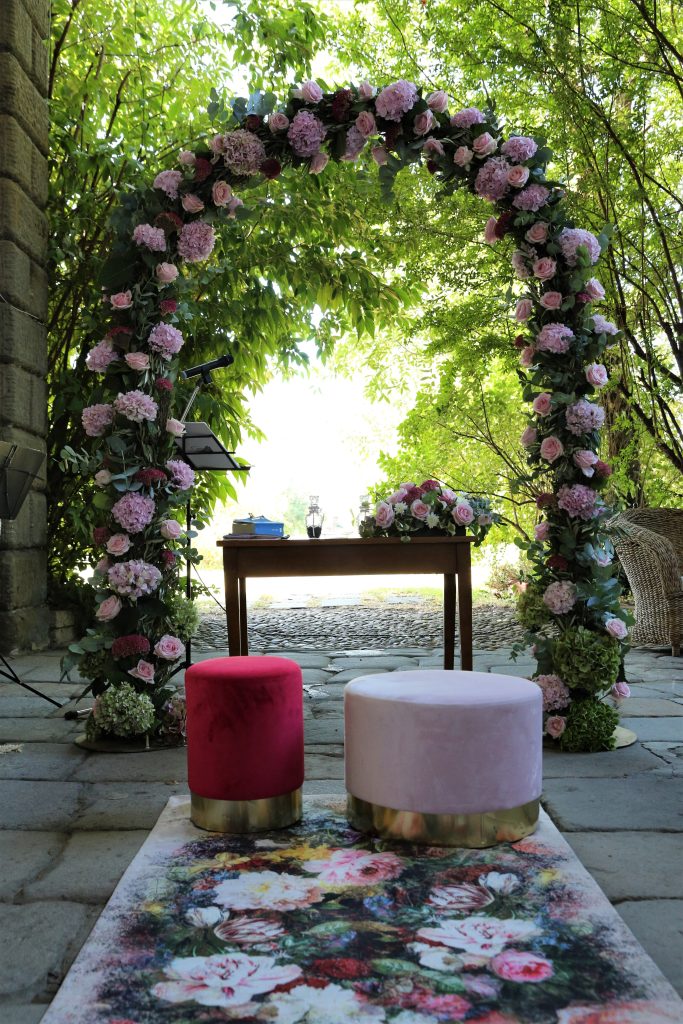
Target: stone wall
24,26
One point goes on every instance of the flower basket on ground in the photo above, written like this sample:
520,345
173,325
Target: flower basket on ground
430,508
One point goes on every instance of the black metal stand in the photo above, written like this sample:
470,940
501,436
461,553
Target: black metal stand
8,672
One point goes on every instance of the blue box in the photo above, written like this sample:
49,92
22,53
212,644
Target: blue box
258,526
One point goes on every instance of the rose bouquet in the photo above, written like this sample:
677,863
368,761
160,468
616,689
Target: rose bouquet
430,508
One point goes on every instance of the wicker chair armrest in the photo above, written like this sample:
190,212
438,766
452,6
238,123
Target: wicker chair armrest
658,548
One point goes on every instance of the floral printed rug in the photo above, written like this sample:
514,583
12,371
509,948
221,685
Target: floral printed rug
320,925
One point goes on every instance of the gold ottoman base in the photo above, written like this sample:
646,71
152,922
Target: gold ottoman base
239,816
470,830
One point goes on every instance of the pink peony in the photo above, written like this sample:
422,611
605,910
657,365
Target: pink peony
166,272
479,935
419,509
490,236
166,340
551,300
531,198
196,240
551,449
541,532
144,670
620,691
529,437
594,290
136,406
603,326
225,980
100,357
137,360
319,162
537,233
168,182
616,628
492,179
544,268
585,460
583,417
96,419
560,597
108,609
555,726
555,693
596,374
121,300
514,965
118,544
169,648
171,529
542,404
102,477
348,867
306,133
243,152
571,239
484,145
384,515
463,156
463,513
467,117
424,122
578,501
519,148
175,427
133,511
523,309
134,578
278,122
396,99
518,176
380,155
182,475
366,124
438,101
554,338
221,193
151,238
192,203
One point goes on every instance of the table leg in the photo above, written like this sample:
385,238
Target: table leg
465,616
448,620
244,637
232,609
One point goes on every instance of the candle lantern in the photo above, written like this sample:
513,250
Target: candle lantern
314,518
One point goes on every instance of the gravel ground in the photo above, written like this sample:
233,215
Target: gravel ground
359,626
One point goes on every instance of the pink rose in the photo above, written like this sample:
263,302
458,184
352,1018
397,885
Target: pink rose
484,145
537,233
544,268
555,726
384,515
490,236
616,628
596,374
433,147
523,309
620,691
380,155
526,357
541,532
585,460
542,404
102,477
518,176
529,437
118,544
221,193
186,158
419,509
515,965
192,203
169,648
121,300
175,427
319,162
171,529
311,92
366,124
278,122
366,91
109,609
166,272
144,670
398,495
463,156
462,513
551,300
424,122
551,448
438,101
595,290
137,360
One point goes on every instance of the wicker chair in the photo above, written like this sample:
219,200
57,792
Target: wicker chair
649,543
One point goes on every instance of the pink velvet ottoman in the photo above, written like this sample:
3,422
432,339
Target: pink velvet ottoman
442,757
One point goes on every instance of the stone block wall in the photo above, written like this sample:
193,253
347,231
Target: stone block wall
24,28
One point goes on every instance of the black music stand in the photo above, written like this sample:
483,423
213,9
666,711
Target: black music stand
19,466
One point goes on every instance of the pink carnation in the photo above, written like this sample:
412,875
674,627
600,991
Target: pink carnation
243,152
596,374
551,448
151,238
467,117
168,182
134,511
99,357
555,693
182,474
560,597
603,326
196,240
554,338
533,197
306,133
492,179
578,501
96,419
166,340
134,578
583,416
136,406
519,148
396,99
571,238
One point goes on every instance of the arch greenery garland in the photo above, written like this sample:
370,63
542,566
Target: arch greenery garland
142,619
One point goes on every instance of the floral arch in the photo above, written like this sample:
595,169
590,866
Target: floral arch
141,618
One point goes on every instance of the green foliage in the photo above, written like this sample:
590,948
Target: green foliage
586,661
183,616
590,727
121,711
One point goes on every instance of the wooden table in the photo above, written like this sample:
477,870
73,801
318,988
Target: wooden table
447,556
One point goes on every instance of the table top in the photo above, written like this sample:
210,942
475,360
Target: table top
330,542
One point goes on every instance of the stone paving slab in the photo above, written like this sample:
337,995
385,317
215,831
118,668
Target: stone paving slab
323,761
120,805
24,856
27,705
42,761
43,938
89,867
654,728
658,926
608,764
36,806
647,803
37,730
670,753
395,663
632,865
324,730
652,707
168,766
23,1013
355,673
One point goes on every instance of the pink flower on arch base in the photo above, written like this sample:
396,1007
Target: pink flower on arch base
355,867
230,979
481,936
555,726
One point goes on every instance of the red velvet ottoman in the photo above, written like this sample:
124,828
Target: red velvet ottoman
245,743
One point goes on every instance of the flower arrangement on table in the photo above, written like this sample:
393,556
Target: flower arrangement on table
429,507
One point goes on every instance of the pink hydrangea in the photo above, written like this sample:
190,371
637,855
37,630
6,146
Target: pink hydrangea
306,133
151,238
560,597
355,142
584,416
166,340
533,197
96,419
168,182
136,406
396,99
99,357
243,152
555,693
519,148
554,338
196,241
578,501
603,326
182,474
571,238
492,180
134,578
467,117
134,511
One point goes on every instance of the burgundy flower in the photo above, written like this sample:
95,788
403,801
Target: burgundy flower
271,168
101,534
163,384
113,331
521,341
391,135
202,169
168,558
432,167
253,122
504,224
602,469
558,562
344,967
129,646
545,500
341,103
583,297
169,221
168,305
150,476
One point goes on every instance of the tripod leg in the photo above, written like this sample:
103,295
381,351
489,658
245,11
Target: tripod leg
8,672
